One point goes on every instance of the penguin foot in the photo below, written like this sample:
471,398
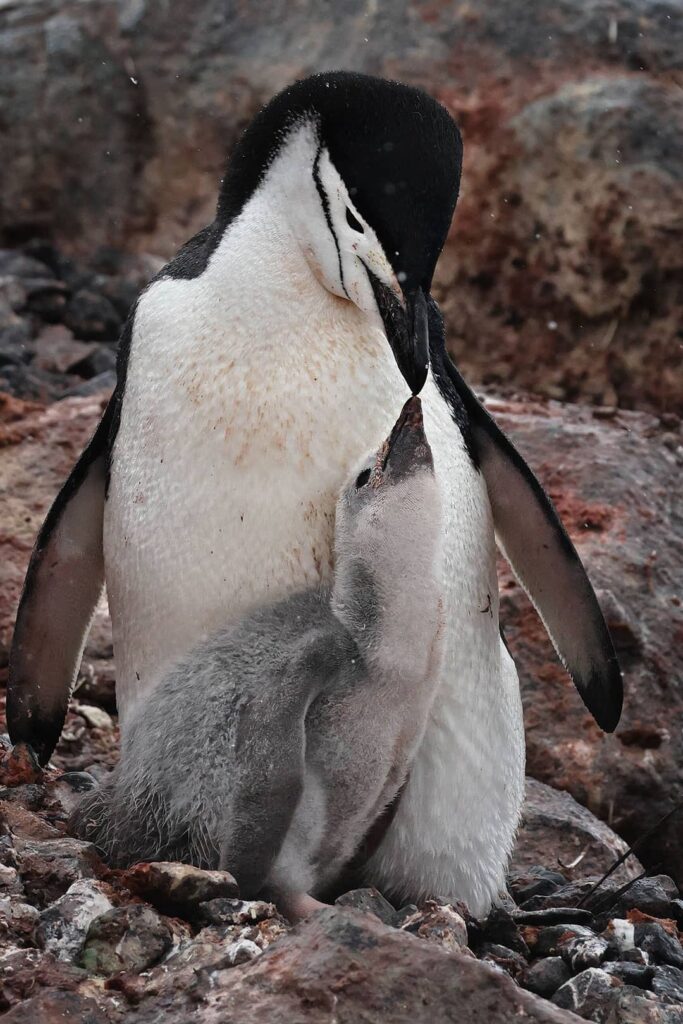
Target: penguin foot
297,906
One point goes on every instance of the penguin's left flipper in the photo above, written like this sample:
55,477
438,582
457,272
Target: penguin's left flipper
536,544
63,584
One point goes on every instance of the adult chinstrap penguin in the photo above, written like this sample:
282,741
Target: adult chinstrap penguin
266,357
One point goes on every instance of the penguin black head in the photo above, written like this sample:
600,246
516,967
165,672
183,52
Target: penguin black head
368,171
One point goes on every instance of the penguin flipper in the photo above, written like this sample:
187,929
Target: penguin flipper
536,544
63,583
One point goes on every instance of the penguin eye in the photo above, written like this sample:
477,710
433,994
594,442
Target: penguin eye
353,222
362,479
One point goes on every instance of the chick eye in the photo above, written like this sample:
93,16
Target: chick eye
362,479
353,222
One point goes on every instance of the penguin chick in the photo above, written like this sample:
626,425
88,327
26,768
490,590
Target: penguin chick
272,748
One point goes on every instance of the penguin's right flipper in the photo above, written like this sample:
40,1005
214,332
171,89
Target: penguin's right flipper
63,584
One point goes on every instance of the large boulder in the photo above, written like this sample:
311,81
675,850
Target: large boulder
120,117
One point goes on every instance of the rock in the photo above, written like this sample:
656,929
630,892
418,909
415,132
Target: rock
501,928
227,911
581,953
506,959
27,971
556,829
536,880
99,360
617,507
347,963
94,386
91,316
544,977
178,888
125,939
590,994
640,975
647,895
662,947
667,983
440,924
64,924
620,934
553,915
18,922
19,766
49,867
549,941
14,263
57,351
370,901
53,1007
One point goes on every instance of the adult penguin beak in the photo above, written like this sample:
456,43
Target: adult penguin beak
417,359
407,328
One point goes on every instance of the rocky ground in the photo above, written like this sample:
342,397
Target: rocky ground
83,943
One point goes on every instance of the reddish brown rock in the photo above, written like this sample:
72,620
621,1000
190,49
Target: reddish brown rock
348,966
613,482
558,832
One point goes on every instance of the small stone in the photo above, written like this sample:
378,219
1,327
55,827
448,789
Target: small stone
103,382
227,911
667,982
536,881
10,883
19,766
554,915
651,937
18,922
676,910
499,927
581,953
569,895
56,349
64,924
47,299
548,941
619,933
128,938
101,359
24,824
92,317
544,977
14,263
48,868
648,895
370,901
507,959
407,916
179,888
55,1007
590,994
441,924
242,951
95,717
639,975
